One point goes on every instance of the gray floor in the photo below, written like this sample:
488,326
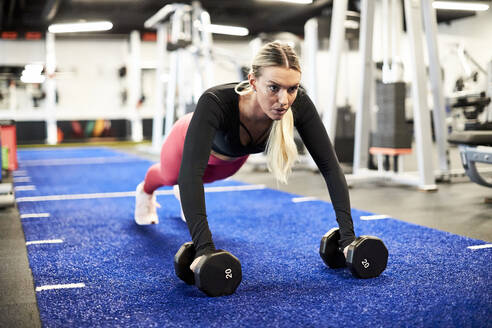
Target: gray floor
458,207
18,306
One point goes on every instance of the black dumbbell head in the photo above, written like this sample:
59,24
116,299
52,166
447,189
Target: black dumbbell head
182,261
367,257
329,249
218,274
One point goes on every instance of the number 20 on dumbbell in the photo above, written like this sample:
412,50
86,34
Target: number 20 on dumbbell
367,256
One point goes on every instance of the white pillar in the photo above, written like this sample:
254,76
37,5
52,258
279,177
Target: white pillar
439,110
397,30
337,37
363,115
50,85
386,37
207,43
176,25
157,123
422,126
310,62
135,86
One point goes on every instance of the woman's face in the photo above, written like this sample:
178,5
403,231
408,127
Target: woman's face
276,90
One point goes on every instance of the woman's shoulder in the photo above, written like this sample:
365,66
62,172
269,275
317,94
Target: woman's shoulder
301,95
222,90
302,100
224,95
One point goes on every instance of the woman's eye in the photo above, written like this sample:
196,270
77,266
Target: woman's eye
273,88
292,89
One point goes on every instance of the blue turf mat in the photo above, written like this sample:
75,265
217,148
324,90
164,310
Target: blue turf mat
432,278
84,171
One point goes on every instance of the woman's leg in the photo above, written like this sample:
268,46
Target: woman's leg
166,172
161,174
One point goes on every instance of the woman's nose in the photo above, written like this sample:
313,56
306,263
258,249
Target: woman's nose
283,99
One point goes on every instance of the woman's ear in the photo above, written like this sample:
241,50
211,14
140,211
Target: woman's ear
252,81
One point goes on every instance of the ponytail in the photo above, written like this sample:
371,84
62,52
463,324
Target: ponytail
281,148
243,88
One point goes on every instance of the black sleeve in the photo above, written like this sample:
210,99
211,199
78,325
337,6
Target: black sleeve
317,142
196,151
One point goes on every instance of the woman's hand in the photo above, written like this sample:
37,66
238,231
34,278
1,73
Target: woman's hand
345,252
195,263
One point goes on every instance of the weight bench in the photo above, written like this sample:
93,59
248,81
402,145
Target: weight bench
475,146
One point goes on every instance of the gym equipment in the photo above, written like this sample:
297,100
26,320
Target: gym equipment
180,34
367,256
414,10
6,189
475,146
216,274
392,129
470,106
8,132
6,200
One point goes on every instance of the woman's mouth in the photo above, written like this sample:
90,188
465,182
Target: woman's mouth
279,111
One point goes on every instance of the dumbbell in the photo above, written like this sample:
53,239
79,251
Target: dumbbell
367,256
216,274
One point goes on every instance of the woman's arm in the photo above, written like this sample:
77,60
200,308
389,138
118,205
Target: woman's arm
196,151
316,140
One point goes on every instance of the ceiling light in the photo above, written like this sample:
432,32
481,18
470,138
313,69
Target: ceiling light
228,30
32,74
80,27
454,5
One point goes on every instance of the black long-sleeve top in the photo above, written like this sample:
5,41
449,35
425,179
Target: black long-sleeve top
215,126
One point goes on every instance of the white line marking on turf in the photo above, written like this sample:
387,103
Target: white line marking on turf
130,194
76,196
19,173
38,242
25,188
480,246
35,215
78,161
22,179
374,217
303,199
49,287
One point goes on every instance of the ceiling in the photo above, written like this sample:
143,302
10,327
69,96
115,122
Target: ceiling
258,16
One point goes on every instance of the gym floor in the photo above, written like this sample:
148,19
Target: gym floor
460,207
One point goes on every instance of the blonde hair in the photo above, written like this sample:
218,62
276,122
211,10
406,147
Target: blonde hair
281,149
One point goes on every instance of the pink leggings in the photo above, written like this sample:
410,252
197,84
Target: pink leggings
166,172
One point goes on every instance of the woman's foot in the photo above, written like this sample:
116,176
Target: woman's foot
145,207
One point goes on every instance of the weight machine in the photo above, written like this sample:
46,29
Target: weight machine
425,177
181,30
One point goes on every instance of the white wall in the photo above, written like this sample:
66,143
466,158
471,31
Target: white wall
89,81
87,70
13,52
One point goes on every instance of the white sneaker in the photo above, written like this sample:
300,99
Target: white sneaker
145,207
176,194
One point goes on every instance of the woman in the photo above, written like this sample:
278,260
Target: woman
232,121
